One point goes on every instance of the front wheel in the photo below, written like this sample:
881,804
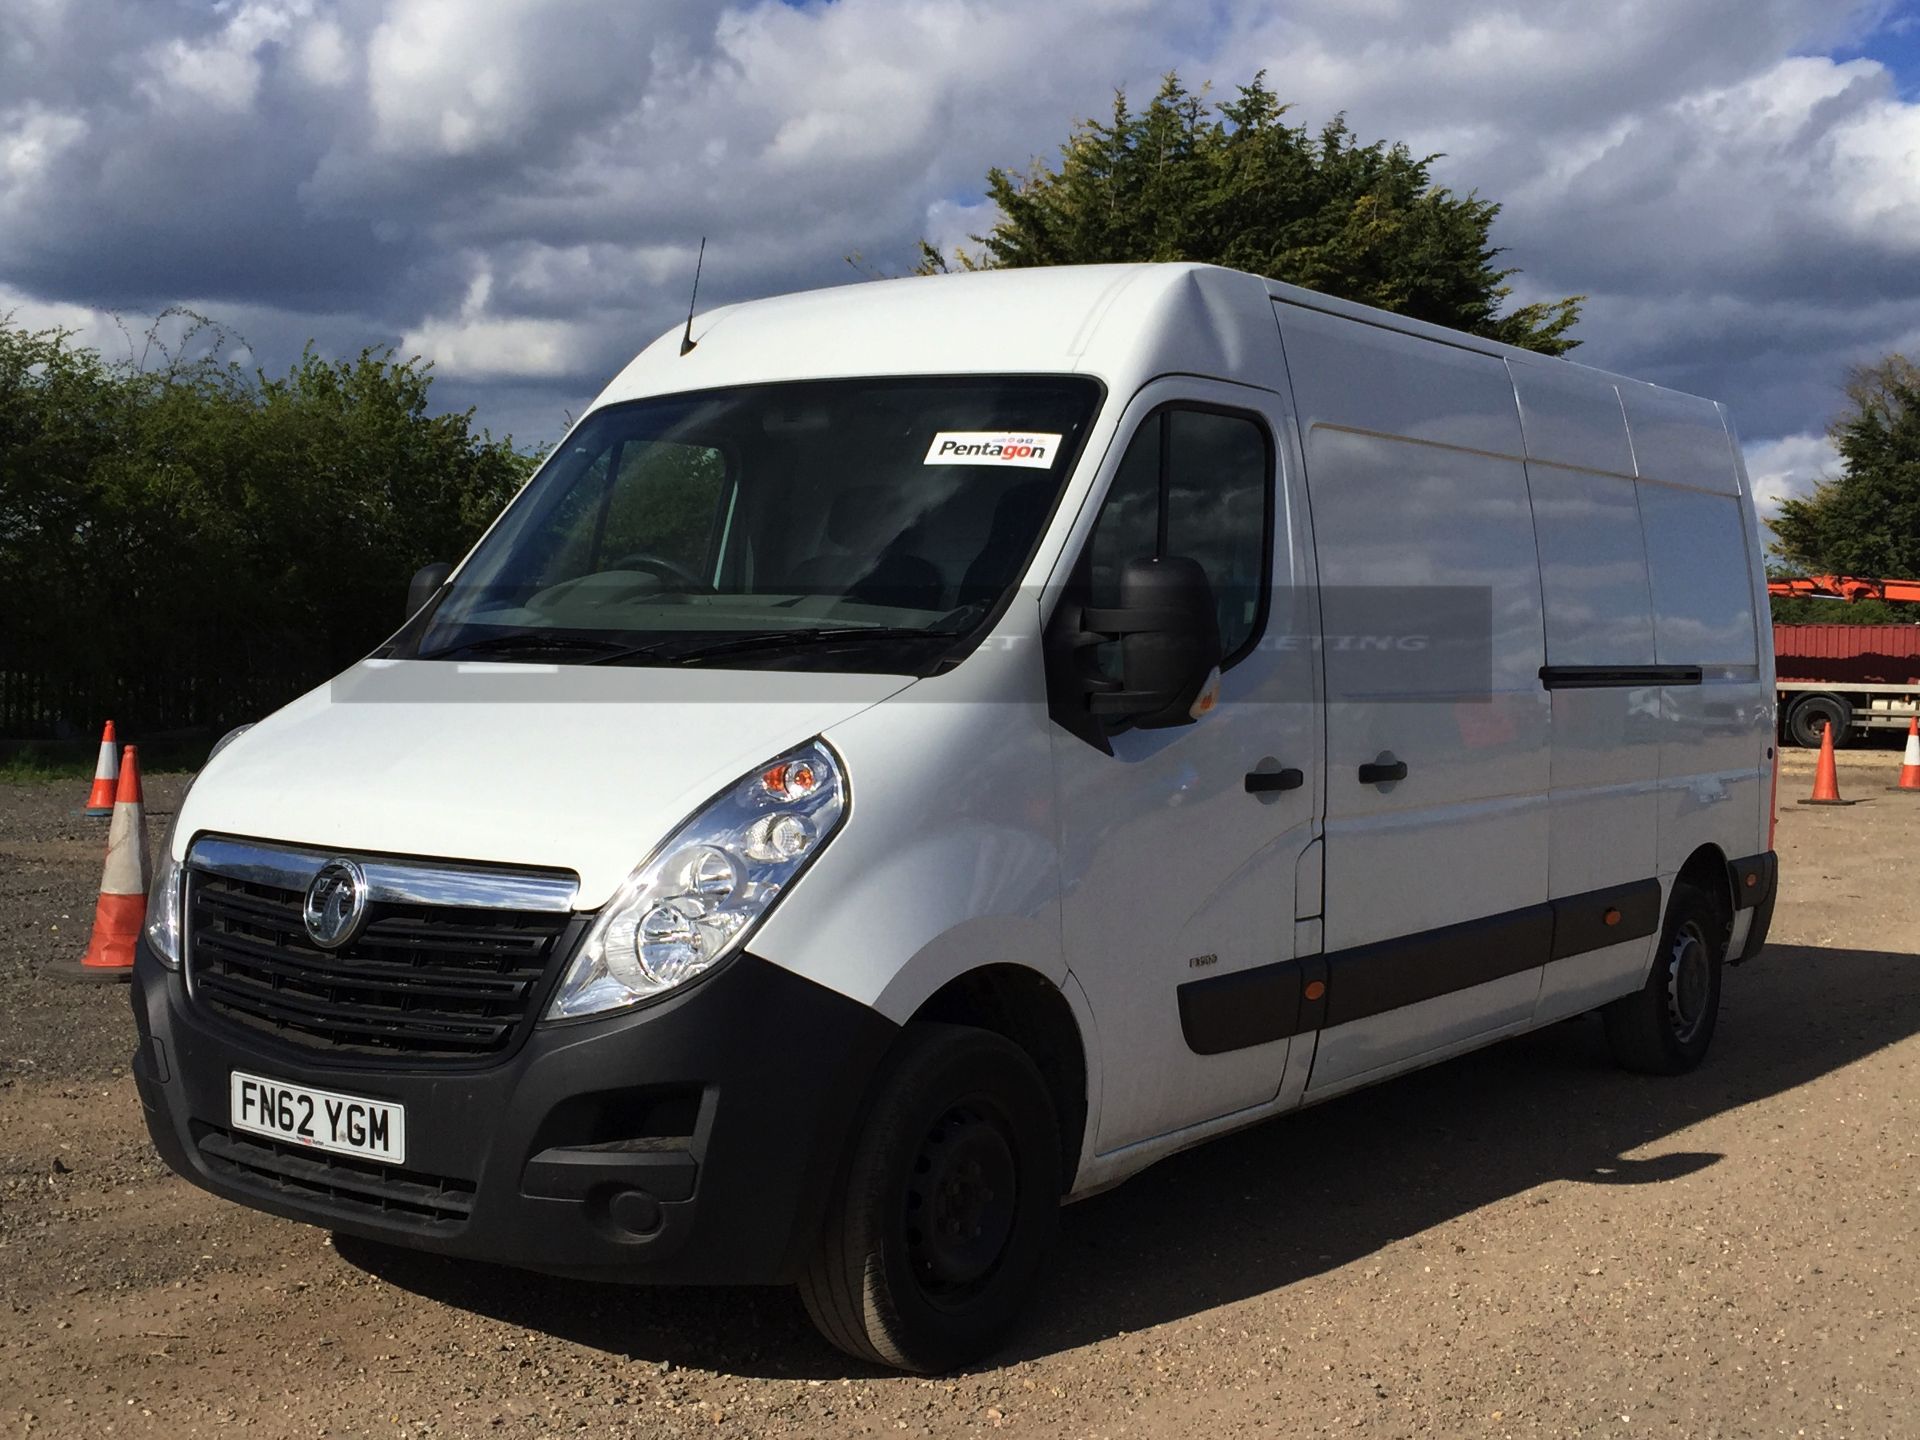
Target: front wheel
946,1207
1665,1027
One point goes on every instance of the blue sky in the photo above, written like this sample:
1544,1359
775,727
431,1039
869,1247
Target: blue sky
1895,43
514,188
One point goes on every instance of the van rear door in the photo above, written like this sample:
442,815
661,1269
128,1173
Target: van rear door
1605,682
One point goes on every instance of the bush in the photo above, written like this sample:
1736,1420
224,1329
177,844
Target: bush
187,544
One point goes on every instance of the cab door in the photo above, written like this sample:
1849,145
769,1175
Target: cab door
1179,848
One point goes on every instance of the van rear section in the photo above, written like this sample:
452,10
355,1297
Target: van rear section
1611,739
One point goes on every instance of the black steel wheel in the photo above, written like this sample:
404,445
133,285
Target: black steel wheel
1665,1027
946,1207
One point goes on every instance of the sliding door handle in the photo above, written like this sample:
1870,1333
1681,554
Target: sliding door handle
1272,782
1383,772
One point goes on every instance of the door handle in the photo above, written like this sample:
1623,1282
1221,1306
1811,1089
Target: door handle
1270,782
1379,772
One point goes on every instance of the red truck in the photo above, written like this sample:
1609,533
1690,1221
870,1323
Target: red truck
1855,678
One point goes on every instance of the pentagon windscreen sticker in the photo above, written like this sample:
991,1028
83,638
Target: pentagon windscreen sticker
993,447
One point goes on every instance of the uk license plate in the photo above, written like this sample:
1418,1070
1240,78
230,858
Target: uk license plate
321,1119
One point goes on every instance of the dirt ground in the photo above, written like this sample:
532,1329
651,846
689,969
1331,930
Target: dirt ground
1525,1242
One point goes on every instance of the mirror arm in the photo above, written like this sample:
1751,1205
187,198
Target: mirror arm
427,582
1071,681
1110,699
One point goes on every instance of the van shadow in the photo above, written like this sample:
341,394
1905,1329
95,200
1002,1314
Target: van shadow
1296,1197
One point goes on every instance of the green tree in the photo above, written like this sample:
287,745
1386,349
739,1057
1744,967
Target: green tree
1865,520
183,541
1234,184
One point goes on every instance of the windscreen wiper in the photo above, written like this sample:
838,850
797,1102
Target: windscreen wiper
533,643
783,639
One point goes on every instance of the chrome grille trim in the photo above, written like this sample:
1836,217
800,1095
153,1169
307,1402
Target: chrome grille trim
403,882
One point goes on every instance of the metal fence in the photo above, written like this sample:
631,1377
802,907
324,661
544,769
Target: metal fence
150,704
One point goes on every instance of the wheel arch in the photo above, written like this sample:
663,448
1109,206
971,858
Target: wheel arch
1707,869
1026,1007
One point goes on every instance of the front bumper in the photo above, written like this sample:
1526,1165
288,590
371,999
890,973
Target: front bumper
690,1142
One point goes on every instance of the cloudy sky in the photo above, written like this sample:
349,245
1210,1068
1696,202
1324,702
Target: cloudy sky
514,188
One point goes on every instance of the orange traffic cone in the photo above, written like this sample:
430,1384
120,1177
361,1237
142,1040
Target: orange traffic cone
1826,776
1910,763
123,885
106,772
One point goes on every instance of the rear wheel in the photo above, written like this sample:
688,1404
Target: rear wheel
1665,1027
946,1208
1812,714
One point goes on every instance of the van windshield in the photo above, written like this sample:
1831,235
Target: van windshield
865,524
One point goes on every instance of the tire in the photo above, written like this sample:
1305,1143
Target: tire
960,1134
1665,1027
1813,713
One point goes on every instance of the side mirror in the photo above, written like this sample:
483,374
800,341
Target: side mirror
1169,633
425,584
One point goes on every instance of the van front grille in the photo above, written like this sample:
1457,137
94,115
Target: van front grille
420,980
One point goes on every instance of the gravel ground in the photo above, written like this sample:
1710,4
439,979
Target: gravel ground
1524,1242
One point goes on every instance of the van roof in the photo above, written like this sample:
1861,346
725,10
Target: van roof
1124,324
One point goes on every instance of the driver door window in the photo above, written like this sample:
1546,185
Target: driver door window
1194,482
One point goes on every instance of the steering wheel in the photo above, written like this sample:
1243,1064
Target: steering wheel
664,568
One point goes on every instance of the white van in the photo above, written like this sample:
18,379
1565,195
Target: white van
920,752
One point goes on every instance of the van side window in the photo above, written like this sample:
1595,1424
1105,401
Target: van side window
1196,483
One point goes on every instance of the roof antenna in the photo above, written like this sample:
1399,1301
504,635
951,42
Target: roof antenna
687,342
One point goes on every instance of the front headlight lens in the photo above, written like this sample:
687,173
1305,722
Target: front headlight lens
164,887
163,903
694,902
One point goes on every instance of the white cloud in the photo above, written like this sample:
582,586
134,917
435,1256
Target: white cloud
224,69
324,55
491,348
951,226
1789,468
96,329
32,139
1789,164
1743,208
478,344
449,79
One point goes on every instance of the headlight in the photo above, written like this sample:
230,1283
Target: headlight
163,903
163,887
700,895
